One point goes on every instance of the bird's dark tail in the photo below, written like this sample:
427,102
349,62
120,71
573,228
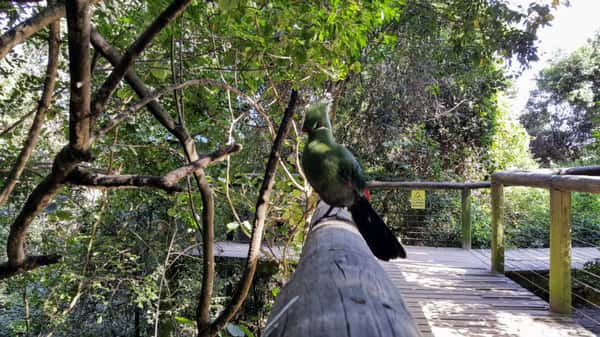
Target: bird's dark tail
379,237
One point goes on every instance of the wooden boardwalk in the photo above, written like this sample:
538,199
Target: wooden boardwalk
515,259
451,292
539,258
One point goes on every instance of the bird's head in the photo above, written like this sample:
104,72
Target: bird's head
316,117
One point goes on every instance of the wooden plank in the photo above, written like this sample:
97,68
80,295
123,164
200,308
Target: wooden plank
466,218
433,280
560,251
538,259
426,185
582,170
576,183
441,288
537,178
581,255
549,179
521,259
339,288
497,258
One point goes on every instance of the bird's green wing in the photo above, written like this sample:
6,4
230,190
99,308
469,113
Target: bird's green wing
350,169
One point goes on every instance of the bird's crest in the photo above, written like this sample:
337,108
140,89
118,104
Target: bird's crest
317,116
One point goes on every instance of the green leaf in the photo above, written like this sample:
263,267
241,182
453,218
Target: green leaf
227,5
185,320
122,93
182,198
275,291
171,212
63,215
157,70
232,226
246,331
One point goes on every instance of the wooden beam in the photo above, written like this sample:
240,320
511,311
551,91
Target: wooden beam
497,250
466,218
582,170
560,251
427,185
573,183
550,179
536,178
339,288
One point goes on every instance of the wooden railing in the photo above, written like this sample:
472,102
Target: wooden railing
465,189
338,288
560,183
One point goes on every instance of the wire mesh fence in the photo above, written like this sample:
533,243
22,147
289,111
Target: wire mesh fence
527,231
440,222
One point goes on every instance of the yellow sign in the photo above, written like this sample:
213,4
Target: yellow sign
417,199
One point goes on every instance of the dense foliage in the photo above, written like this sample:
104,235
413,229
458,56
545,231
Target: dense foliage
416,87
563,112
432,101
123,250
429,110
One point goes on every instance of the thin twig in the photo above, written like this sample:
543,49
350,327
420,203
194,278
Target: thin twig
17,123
153,97
162,281
206,235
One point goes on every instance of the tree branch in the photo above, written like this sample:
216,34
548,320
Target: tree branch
189,148
68,158
40,115
109,85
31,262
80,119
167,182
112,55
24,30
78,21
257,227
81,177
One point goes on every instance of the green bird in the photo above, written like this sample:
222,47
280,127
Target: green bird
339,180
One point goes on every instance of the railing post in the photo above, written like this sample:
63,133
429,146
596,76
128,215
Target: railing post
560,251
466,218
497,227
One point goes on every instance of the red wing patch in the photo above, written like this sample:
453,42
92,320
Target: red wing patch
367,194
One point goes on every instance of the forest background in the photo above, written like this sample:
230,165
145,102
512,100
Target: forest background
124,209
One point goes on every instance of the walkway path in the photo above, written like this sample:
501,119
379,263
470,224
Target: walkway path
451,292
